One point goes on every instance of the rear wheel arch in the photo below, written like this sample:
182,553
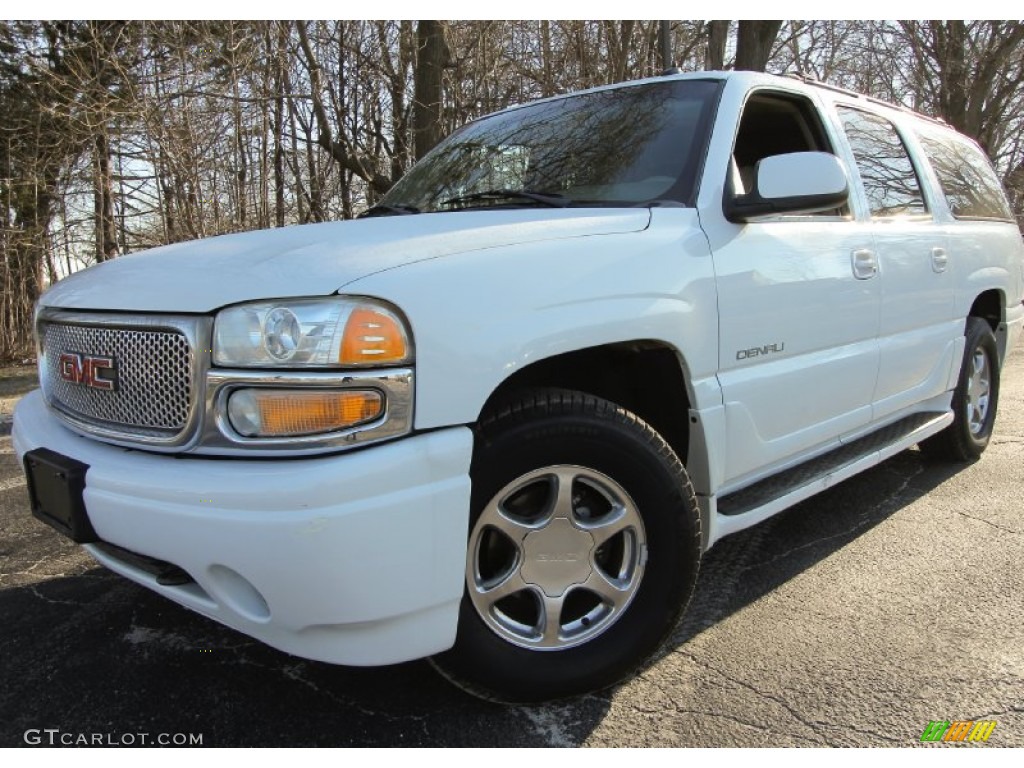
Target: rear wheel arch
990,306
975,398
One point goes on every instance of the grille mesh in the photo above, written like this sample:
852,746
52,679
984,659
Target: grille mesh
154,376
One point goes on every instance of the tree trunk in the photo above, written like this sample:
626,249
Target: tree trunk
951,52
548,83
103,199
431,57
665,35
754,44
278,123
718,35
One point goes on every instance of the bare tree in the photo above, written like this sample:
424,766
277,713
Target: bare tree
123,135
969,73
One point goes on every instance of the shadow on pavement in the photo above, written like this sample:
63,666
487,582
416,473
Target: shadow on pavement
93,653
744,567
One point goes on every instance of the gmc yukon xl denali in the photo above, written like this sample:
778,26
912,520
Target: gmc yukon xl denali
498,420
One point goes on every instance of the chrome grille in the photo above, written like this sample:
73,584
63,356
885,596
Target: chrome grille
155,382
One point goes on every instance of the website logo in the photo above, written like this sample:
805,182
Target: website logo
958,730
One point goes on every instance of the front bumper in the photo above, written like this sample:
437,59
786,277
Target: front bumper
350,559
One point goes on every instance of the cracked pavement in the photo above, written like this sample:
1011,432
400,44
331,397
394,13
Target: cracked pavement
890,600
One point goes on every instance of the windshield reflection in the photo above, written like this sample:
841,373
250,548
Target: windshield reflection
623,146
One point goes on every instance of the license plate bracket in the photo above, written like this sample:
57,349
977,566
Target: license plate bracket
56,485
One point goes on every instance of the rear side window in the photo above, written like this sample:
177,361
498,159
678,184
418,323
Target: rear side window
890,182
968,180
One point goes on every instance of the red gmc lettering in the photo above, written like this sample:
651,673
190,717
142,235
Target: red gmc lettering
86,370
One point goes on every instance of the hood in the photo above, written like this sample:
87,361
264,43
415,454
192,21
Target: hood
313,259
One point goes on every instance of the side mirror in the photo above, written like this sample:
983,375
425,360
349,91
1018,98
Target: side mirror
797,182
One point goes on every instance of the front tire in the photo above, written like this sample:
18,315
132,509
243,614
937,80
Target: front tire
974,400
583,550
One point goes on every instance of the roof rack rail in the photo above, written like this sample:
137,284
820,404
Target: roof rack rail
823,84
864,97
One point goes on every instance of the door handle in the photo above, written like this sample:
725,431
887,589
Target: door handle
865,265
940,260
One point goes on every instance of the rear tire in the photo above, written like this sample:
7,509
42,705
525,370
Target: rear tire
583,550
974,400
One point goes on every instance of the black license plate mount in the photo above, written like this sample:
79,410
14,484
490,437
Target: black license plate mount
56,487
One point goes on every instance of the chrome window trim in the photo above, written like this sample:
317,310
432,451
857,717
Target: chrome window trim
195,328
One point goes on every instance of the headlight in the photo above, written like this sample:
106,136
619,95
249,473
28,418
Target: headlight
317,333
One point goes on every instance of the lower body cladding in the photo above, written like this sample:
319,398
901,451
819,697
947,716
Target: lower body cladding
356,558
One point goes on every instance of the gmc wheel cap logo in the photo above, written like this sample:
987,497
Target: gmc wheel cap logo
89,370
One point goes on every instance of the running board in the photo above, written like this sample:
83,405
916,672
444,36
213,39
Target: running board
750,505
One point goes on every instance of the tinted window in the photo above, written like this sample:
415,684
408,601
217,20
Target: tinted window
885,169
625,145
968,181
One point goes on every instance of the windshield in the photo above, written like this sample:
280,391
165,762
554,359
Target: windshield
624,146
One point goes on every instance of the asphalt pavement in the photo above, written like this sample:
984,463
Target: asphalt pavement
893,599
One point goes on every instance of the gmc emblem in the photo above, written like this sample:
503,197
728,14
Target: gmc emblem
88,370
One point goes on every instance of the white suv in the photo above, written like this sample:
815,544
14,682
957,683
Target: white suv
498,420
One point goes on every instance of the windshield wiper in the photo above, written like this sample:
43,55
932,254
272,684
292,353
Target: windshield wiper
388,210
552,199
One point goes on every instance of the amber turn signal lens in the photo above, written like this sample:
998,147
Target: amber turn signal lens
292,413
373,337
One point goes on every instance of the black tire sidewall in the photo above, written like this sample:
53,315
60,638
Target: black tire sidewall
978,336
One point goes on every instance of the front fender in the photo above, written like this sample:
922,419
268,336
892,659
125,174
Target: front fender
479,317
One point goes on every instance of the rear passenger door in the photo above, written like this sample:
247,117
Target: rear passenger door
984,240
917,329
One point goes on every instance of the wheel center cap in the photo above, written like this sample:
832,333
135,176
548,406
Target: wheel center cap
557,556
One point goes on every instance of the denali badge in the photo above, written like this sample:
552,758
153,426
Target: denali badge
767,349
88,370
